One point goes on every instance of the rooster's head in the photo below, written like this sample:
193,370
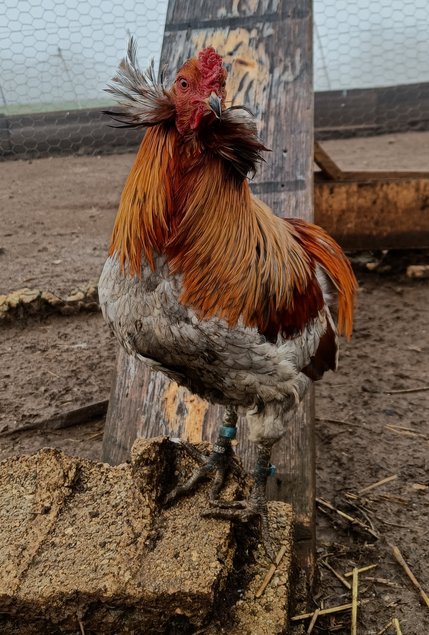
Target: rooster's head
199,91
197,95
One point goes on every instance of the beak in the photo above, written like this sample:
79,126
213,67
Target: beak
215,105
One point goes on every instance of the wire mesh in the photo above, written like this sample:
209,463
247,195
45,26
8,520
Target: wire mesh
56,60
371,69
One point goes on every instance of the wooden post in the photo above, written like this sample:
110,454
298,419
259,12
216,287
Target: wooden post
268,44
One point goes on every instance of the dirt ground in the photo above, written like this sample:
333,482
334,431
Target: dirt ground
56,216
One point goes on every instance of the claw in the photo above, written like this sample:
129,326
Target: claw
221,464
244,511
221,461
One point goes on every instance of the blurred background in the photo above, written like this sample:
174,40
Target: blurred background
371,71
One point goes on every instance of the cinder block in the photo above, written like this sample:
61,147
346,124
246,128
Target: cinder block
86,547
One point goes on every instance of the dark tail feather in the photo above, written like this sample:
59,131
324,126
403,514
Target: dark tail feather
326,356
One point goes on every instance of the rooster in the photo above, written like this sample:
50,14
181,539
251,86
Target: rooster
204,283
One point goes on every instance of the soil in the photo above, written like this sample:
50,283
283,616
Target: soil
56,217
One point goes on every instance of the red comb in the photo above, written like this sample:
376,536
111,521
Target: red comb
209,61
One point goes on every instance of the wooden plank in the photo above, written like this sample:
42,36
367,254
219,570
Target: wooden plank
268,45
371,209
330,170
66,419
326,164
376,213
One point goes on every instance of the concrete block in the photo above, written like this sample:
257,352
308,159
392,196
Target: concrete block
89,548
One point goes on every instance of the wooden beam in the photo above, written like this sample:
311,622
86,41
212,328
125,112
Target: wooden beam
331,171
268,45
326,164
369,211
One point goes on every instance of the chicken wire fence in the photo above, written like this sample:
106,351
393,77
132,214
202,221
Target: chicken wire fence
56,60
371,66
371,70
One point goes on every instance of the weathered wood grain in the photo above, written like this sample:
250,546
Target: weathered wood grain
376,212
332,171
267,44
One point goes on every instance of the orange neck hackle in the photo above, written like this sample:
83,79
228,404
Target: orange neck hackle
236,258
142,223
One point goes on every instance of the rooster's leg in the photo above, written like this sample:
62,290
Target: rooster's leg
256,504
220,462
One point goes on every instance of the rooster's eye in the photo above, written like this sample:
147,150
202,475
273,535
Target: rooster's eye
183,83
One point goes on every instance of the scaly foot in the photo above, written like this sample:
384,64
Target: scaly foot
255,506
221,462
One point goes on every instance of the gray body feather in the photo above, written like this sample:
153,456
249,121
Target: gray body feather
234,366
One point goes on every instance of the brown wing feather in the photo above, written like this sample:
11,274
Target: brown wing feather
326,252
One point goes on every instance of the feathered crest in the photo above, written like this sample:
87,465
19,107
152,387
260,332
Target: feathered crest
144,101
